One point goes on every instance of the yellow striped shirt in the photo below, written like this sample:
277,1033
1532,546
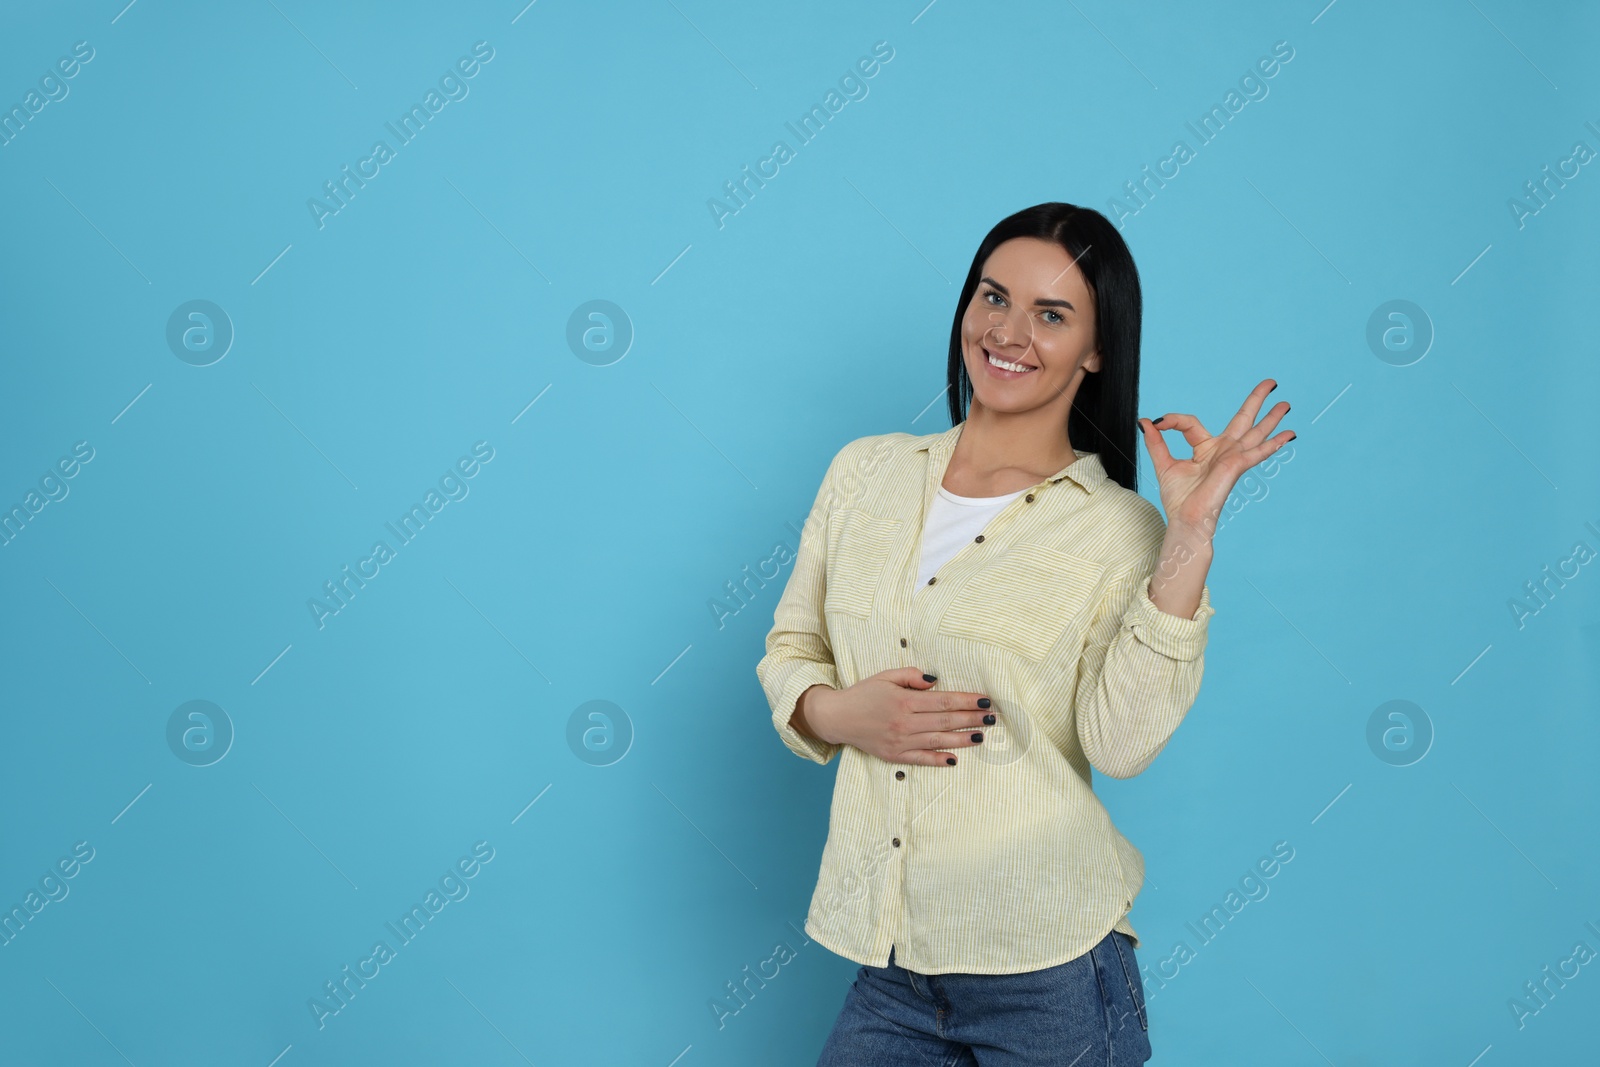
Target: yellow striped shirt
1007,861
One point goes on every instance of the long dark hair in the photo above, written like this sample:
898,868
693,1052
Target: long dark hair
1104,415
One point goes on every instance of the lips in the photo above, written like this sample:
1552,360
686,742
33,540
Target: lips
1007,365
1017,363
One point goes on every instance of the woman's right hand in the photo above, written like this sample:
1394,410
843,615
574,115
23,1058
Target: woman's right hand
894,716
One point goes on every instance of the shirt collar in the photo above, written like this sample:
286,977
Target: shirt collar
1085,471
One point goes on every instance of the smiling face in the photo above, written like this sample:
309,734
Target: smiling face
1032,310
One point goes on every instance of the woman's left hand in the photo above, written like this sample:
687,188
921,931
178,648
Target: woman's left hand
1194,490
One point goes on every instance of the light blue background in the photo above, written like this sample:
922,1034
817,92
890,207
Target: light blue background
585,562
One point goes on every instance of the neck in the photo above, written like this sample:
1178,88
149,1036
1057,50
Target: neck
1035,441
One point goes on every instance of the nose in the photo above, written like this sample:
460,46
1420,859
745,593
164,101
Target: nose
1003,331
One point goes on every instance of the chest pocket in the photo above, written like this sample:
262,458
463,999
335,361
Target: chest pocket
858,550
1025,600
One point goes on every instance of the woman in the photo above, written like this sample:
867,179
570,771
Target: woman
978,617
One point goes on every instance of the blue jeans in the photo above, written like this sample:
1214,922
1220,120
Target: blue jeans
1087,1012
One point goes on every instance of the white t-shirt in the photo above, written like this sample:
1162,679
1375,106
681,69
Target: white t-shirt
953,522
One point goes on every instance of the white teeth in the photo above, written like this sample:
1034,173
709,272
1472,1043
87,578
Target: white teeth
1003,365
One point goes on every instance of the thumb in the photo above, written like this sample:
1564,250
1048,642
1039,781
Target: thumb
910,677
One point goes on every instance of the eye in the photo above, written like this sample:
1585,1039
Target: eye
1059,318
987,293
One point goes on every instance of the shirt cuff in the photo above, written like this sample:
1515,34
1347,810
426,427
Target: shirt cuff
1171,635
803,674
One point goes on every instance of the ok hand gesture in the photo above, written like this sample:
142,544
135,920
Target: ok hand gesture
1194,490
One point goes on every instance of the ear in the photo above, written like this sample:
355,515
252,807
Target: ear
1092,364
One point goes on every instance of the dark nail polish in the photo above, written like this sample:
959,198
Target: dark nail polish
1274,386
983,702
1293,436
977,739
929,678
988,720
950,760
1156,422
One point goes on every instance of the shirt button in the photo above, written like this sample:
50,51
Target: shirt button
902,642
935,578
899,774
978,538
897,842
1029,498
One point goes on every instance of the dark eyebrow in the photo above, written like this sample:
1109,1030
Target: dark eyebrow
1037,303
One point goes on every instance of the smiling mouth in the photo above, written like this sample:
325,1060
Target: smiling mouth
1016,368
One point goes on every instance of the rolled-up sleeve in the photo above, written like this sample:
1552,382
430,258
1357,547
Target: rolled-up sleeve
798,655
1139,674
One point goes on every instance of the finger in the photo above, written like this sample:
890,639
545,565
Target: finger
953,739
936,754
1241,423
945,722
910,677
1257,433
1159,456
927,708
1193,429
924,757
1260,452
